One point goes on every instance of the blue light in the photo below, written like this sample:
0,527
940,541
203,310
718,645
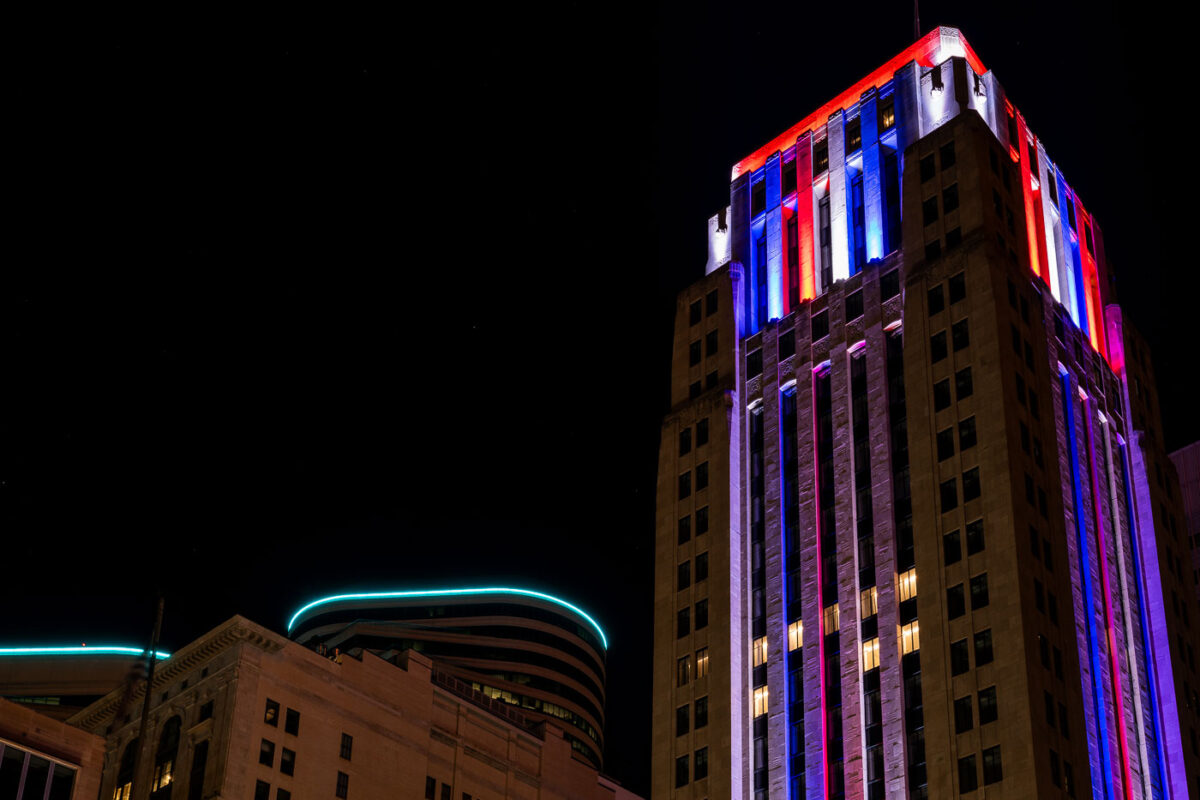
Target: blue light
337,598
81,650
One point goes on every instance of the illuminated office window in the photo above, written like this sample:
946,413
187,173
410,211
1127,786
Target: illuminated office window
907,585
910,638
870,654
832,619
760,651
701,662
869,602
796,635
760,701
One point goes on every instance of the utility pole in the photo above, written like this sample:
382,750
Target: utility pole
142,743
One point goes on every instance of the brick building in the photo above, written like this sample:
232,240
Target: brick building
912,537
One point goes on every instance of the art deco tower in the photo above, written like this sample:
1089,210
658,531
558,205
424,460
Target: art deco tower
912,535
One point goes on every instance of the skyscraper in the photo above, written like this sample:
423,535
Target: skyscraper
911,539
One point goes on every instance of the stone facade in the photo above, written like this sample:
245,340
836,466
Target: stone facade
32,744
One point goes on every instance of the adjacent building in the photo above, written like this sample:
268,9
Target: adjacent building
44,759
914,537
1187,464
60,681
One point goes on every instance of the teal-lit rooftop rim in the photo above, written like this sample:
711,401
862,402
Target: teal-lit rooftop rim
337,598
81,650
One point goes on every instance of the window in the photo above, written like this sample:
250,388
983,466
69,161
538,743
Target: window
702,476
701,662
889,285
975,538
754,364
959,657
1063,723
760,701
952,547
870,654
702,614
966,433
953,237
694,353
832,619
271,717
683,671
430,788
266,753
963,721
945,444
694,390
685,485
343,786
702,432
788,179
685,441
710,343
710,303
947,152
701,763
928,168
950,198
287,761
262,790
988,711
685,575
960,334
701,520
1048,702
694,313
992,771
282,794
820,157
206,711
820,326
983,647
1055,769
971,488
1052,607
869,602
887,113
292,722
937,300
681,720
681,771
684,622
758,198
347,746
949,494
958,287
701,712
854,305
759,649
929,210
685,529
937,347
968,779
787,343
910,637
701,567
956,604
445,791
795,635
979,592
941,395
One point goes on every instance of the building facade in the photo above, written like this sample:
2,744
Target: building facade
243,712
908,538
1187,464
45,759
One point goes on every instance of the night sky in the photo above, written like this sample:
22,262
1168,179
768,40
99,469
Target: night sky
301,305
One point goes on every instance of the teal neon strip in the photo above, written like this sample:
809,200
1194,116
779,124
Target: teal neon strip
338,598
100,650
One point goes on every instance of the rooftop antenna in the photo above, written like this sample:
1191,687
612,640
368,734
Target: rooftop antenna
916,20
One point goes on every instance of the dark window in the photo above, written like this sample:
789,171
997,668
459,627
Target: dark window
685,575
950,198
953,237
933,250
979,592
929,210
701,712
1023,434
820,326
758,198
975,539
1028,354
988,711
701,520
683,622
928,168
1024,309
685,441
685,529
1063,724
701,763
445,791
820,157
854,305
701,567
710,343
710,303
949,492
266,753
685,485
694,390
702,614
287,761
963,718
347,746
1052,607
889,285
960,334
754,364
937,300
968,779
681,771
702,476
1033,404
1048,702
966,433
262,790
998,203
787,344
702,432
947,154
941,395
959,657
430,788
995,162
983,647
681,720
343,786
199,766
956,604
1055,769
971,484
958,287
853,135
694,313
937,346
271,717
952,546
282,794
292,722
945,444
694,353
992,771
788,179
206,711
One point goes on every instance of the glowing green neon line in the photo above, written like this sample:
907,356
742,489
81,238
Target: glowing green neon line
83,650
337,598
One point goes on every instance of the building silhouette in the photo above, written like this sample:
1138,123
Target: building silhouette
913,537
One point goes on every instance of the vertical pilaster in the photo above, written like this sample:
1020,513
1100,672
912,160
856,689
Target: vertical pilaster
872,175
838,221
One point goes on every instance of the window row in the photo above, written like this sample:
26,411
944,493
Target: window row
685,480
710,348
960,337
684,667
710,308
966,438
710,382
960,652
685,571
685,525
928,165
287,759
929,207
956,605
958,292
970,490
695,713
968,775
291,722
698,771
952,542
685,437
988,710
683,619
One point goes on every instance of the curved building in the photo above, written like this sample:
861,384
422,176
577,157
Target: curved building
524,648
58,681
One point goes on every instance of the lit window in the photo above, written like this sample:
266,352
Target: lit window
760,701
869,601
701,662
907,585
910,638
796,635
832,619
870,654
760,651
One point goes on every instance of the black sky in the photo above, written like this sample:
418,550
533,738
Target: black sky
308,304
